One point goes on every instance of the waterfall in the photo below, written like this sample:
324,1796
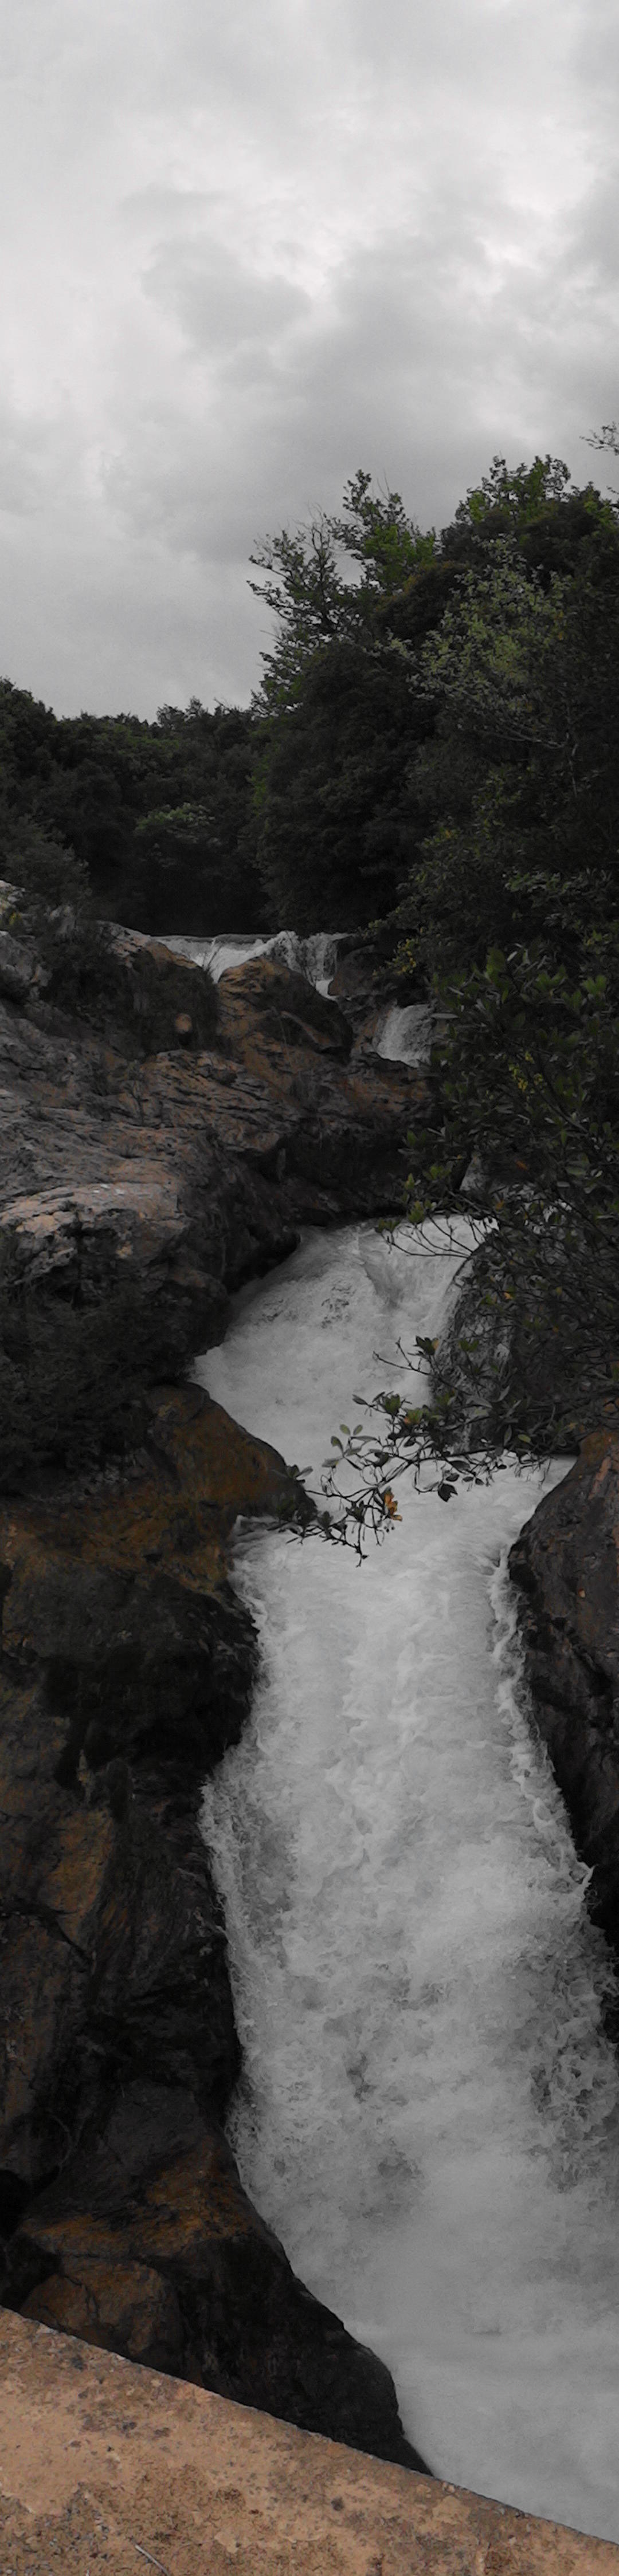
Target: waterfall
429,2109
314,956
404,1035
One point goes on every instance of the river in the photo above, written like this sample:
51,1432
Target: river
429,2110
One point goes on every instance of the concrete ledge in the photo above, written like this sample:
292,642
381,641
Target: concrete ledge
107,2467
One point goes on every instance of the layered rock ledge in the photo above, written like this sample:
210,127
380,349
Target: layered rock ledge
193,1166
128,1666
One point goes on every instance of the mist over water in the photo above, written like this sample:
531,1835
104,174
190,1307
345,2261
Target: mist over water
429,2112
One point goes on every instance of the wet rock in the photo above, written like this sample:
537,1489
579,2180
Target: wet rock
128,1665
150,2245
566,1564
123,2307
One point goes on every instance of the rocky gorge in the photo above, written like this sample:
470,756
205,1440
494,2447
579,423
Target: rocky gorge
128,1665
187,1158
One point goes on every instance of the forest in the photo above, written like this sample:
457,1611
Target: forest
432,760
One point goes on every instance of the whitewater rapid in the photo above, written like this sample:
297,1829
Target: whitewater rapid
314,957
429,2110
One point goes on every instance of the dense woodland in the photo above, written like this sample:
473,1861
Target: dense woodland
415,683
434,750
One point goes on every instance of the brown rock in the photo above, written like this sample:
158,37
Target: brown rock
122,2307
128,1666
158,2209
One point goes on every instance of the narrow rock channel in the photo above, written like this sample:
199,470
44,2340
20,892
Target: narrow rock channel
429,2110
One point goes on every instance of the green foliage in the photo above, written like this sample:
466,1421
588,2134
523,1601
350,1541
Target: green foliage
134,1001
333,841
511,919
419,677
335,721
35,859
526,1081
308,584
92,782
435,743
521,776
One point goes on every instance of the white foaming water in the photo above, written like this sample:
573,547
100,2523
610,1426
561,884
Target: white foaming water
314,957
405,1035
429,2112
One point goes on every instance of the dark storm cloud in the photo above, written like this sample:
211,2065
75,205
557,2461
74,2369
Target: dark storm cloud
247,251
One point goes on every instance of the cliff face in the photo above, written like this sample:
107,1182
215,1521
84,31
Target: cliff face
566,1564
127,1668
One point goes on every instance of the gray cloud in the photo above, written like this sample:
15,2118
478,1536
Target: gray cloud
246,251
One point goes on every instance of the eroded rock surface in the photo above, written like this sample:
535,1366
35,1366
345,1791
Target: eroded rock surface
191,1167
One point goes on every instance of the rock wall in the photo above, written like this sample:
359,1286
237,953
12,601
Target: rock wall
127,1667
566,1564
190,1168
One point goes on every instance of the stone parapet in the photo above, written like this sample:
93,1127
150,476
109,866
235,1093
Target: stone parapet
108,2467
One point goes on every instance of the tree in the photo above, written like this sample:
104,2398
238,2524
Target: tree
334,721
92,781
512,916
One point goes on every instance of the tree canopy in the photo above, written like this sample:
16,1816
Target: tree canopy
159,814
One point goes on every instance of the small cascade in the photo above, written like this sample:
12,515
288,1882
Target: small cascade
404,1037
314,957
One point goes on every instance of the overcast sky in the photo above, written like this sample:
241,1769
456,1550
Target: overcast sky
250,245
